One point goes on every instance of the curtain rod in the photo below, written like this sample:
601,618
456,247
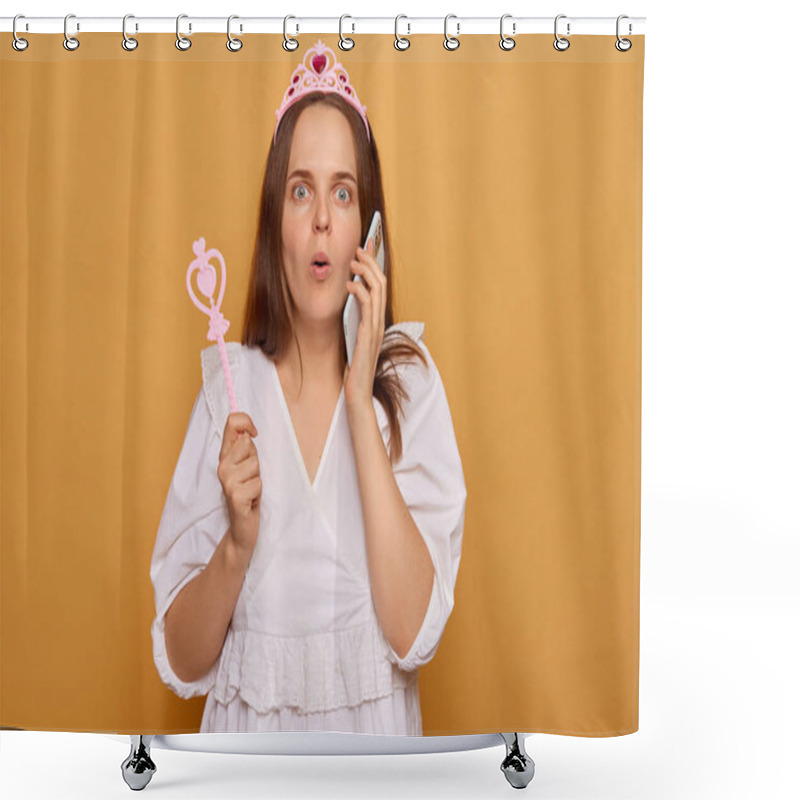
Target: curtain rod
406,26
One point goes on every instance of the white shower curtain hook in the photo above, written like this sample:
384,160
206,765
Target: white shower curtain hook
451,42
182,43
18,43
506,42
233,44
128,42
70,42
345,43
561,43
406,43
289,42
623,45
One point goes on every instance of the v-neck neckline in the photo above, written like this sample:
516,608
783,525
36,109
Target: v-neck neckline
293,434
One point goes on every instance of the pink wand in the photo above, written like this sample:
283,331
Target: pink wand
207,281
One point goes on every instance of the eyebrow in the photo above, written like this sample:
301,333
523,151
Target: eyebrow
304,173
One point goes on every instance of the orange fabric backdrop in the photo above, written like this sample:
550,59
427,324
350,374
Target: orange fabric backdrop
513,185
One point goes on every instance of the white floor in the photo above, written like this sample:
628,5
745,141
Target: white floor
719,696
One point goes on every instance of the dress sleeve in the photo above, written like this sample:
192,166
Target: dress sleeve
431,480
193,522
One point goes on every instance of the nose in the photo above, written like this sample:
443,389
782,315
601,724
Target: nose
321,216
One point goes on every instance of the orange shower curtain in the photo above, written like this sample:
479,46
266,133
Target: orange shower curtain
513,186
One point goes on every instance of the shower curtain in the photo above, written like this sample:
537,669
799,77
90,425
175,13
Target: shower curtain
513,187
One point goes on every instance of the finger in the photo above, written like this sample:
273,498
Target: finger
363,295
237,480
375,279
368,259
236,423
379,304
236,452
252,488
248,469
243,449
369,270
363,269
243,422
245,428
370,273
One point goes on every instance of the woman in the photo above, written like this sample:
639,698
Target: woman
307,554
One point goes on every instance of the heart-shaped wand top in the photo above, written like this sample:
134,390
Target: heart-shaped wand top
207,283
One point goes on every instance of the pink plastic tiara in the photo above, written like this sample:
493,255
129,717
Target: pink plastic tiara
319,72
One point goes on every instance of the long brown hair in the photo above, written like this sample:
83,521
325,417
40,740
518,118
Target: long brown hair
267,320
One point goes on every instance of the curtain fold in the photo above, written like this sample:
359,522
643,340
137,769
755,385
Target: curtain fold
513,185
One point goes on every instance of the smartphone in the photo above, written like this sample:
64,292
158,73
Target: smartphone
352,308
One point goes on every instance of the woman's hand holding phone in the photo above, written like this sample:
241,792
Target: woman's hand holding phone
373,249
370,291
240,475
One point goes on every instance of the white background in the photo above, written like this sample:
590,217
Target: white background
719,696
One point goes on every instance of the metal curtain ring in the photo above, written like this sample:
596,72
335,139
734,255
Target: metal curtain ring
289,42
623,45
18,43
128,42
451,42
70,42
561,43
401,43
506,42
233,44
344,42
182,43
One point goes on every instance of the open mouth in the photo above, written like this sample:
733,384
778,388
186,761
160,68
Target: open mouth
320,270
320,266
320,259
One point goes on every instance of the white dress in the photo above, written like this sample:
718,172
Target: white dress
304,649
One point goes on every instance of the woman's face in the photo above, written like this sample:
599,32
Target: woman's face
321,217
